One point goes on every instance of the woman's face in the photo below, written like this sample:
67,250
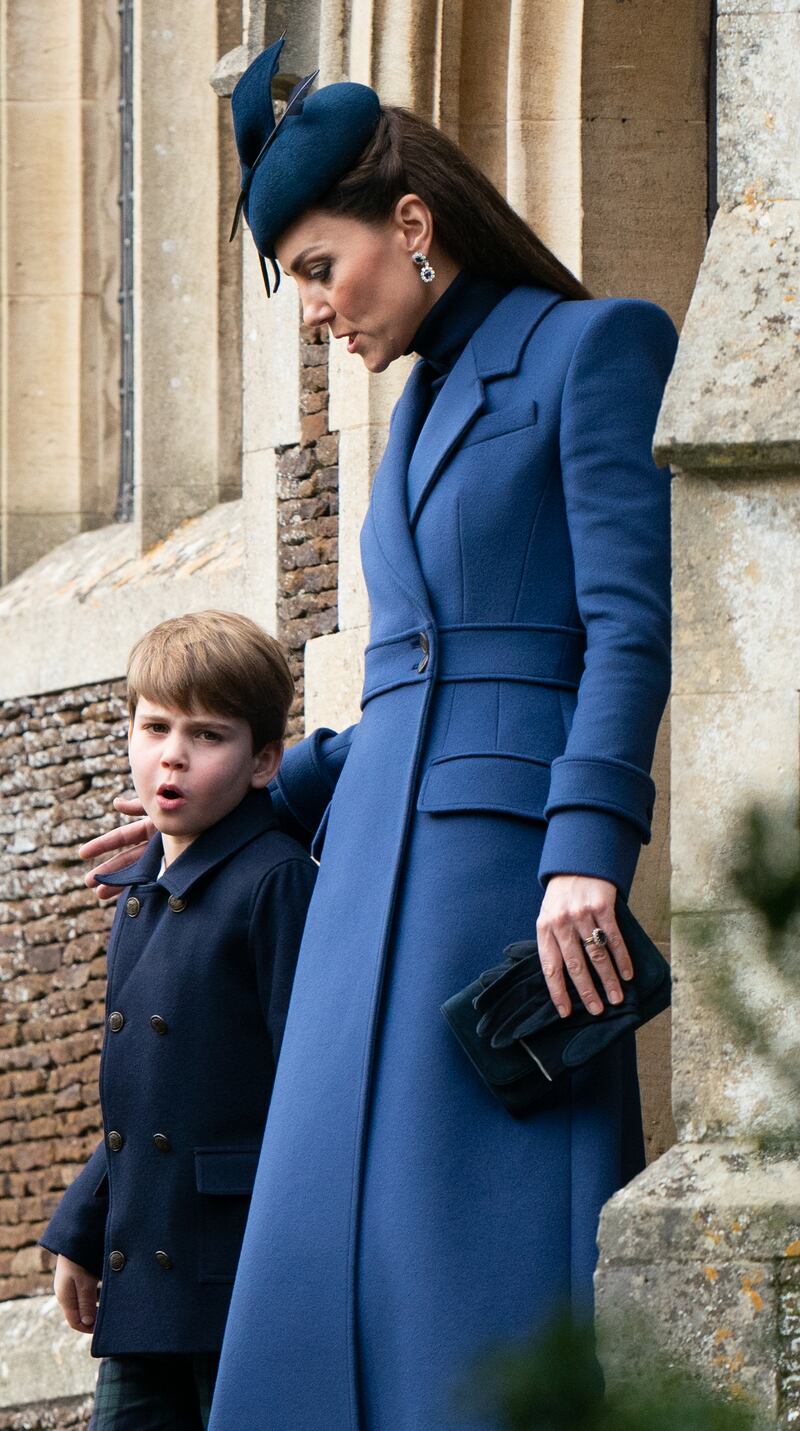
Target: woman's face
360,280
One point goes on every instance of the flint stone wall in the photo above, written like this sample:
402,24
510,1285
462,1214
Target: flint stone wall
62,758
308,520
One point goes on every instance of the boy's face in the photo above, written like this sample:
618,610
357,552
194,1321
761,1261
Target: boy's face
191,768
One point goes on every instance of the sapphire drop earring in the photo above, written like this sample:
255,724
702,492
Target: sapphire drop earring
426,273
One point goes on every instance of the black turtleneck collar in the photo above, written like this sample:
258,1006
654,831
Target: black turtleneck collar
445,331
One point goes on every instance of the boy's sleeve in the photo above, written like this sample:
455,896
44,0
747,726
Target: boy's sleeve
77,1228
277,920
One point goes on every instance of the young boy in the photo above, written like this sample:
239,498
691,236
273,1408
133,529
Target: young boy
200,965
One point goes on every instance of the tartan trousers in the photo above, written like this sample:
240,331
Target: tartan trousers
154,1393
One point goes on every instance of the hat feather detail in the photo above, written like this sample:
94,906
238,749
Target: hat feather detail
287,166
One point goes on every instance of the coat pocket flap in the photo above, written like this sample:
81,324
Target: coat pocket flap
225,1171
509,784
510,418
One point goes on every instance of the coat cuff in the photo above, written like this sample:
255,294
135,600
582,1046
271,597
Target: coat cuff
616,786
593,843
82,1250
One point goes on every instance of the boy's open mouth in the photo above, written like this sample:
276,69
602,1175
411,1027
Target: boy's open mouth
170,797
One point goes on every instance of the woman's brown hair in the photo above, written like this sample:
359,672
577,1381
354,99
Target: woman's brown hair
475,225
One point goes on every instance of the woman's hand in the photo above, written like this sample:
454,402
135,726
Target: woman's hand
76,1294
572,907
123,845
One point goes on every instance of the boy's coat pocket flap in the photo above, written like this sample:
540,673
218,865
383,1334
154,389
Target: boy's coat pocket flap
225,1171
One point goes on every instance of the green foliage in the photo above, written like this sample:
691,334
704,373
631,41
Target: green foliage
767,873
553,1384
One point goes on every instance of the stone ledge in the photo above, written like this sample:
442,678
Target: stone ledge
715,1202
700,1267
41,1358
71,619
733,396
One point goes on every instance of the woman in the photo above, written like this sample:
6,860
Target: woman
516,552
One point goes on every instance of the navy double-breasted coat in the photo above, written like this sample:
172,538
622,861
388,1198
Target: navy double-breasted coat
517,671
200,968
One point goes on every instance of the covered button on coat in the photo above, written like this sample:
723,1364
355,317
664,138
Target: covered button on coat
200,969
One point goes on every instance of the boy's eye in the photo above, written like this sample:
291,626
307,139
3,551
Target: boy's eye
157,726
212,735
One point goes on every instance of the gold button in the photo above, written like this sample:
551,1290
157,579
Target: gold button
157,1024
176,904
162,1142
115,1141
425,647
164,1260
132,906
115,1021
116,1261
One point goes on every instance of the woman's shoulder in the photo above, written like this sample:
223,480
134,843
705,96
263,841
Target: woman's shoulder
620,317
601,329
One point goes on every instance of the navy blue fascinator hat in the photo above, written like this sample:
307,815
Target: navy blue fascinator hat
288,166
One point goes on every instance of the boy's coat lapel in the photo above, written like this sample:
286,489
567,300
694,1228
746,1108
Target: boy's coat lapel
248,820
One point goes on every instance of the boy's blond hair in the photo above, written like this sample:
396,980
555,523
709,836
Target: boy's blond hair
217,661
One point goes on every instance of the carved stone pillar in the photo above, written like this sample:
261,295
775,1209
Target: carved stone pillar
706,1243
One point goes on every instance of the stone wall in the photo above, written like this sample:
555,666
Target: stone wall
71,1415
62,758
308,521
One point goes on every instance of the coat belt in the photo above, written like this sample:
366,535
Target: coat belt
533,655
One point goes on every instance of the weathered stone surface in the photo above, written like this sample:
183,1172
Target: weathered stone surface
758,104
732,399
100,596
706,1256
42,1358
736,572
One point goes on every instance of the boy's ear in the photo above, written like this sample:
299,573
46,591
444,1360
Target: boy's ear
266,763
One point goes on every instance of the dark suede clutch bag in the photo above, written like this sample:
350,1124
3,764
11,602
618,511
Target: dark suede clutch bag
509,1028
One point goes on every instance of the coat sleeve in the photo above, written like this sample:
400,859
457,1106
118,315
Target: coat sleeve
600,802
277,919
303,787
77,1228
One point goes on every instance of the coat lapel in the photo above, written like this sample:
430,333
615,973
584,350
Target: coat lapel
418,450
494,351
457,406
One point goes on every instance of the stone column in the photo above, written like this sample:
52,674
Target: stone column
176,270
59,237
705,1245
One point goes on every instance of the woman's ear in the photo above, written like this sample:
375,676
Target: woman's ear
414,221
266,763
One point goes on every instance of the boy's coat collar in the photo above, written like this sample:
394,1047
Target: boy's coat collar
249,819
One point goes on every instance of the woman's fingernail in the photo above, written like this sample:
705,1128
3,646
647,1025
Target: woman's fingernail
595,1008
563,1010
615,997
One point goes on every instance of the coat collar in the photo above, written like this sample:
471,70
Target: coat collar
250,818
494,351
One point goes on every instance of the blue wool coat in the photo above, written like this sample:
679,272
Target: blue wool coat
200,968
517,671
